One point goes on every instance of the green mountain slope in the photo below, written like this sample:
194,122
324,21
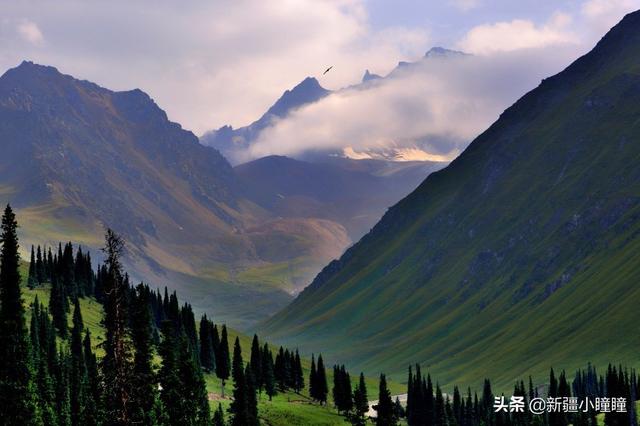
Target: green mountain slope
523,253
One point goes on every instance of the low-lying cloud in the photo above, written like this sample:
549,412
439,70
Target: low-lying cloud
439,105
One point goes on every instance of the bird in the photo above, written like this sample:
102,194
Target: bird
327,70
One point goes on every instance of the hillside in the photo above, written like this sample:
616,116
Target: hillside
353,193
285,409
77,157
523,253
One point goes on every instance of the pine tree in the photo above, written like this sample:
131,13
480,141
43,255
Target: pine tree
169,376
252,402
298,373
268,372
144,396
222,358
440,418
207,356
40,269
58,306
313,380
62,388
239,408
342,396
116,364
93,412
280,370
360,403
385,405
17,393
32,280
321,382
218,417
45,393
256,363
66,271
78,372
194,390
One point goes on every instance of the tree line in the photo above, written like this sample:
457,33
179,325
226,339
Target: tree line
50,374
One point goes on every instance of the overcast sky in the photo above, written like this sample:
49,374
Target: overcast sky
210,63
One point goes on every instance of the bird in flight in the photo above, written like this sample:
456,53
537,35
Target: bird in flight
327,70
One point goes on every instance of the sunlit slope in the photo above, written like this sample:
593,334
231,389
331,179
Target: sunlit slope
523,253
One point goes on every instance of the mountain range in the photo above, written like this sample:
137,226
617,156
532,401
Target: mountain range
77,158
523,253
234,144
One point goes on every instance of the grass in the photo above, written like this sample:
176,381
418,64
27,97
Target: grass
285,409
521,255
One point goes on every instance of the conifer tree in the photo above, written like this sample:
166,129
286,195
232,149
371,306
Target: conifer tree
252,402
17,393
299,374
321,382
58,304
313,379
385,405
222,358
40,269
62,388
193,388
32,280
218,417
256,363
144,396
268,372
116,364
207,356
215,338
440,418
45,393
93,412
239,408
78,371
360,403
169,378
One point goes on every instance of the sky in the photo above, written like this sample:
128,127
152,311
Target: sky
211,63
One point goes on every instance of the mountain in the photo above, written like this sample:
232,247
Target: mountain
76,158
441,52
369,76
523,253
233,142
353,193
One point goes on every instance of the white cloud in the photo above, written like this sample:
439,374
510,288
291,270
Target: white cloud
210,63
30,32
439,106
518,34
601,15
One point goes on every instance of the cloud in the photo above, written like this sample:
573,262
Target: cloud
601,15
30,32
518,34
436,105
209,63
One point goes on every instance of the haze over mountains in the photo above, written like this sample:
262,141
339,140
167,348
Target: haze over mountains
523,253
236,144
78,157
